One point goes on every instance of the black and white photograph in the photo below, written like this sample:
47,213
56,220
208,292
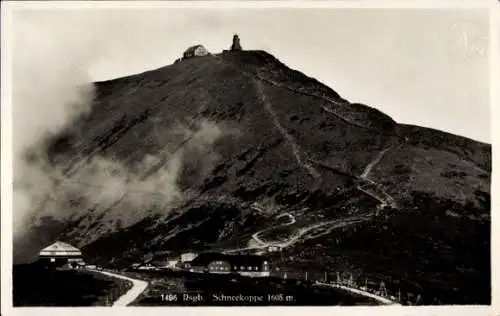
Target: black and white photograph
229,155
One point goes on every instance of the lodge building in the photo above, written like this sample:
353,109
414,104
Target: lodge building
60,254
247,265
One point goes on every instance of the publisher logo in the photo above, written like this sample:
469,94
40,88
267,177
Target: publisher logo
469,40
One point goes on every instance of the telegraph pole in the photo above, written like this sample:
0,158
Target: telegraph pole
382,290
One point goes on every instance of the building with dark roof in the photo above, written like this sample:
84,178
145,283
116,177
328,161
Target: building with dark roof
248,265
59,254
196,50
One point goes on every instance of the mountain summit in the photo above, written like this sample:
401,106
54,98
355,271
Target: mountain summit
214,151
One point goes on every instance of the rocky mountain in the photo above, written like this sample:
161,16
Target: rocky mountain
236,150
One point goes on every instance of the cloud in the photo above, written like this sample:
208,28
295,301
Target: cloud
51,88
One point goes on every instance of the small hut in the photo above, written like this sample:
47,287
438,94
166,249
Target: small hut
196,50
59,254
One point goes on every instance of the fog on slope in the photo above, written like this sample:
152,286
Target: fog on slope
51,88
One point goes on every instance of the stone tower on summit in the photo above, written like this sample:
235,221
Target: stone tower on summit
236,43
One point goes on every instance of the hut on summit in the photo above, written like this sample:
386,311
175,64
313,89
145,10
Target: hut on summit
59,254
196,50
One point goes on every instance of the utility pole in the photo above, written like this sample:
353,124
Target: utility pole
382,290
306,275
326,277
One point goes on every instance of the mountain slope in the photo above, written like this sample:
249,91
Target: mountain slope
204,153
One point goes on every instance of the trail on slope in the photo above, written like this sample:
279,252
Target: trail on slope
376,191
295,147
281,85
372,163
384,198
329,110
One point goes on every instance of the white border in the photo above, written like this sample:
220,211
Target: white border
229,4
6,172
6,155
495,140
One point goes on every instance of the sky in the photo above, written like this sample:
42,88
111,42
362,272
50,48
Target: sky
421,67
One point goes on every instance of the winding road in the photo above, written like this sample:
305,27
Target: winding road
138,287
265,244
257,243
